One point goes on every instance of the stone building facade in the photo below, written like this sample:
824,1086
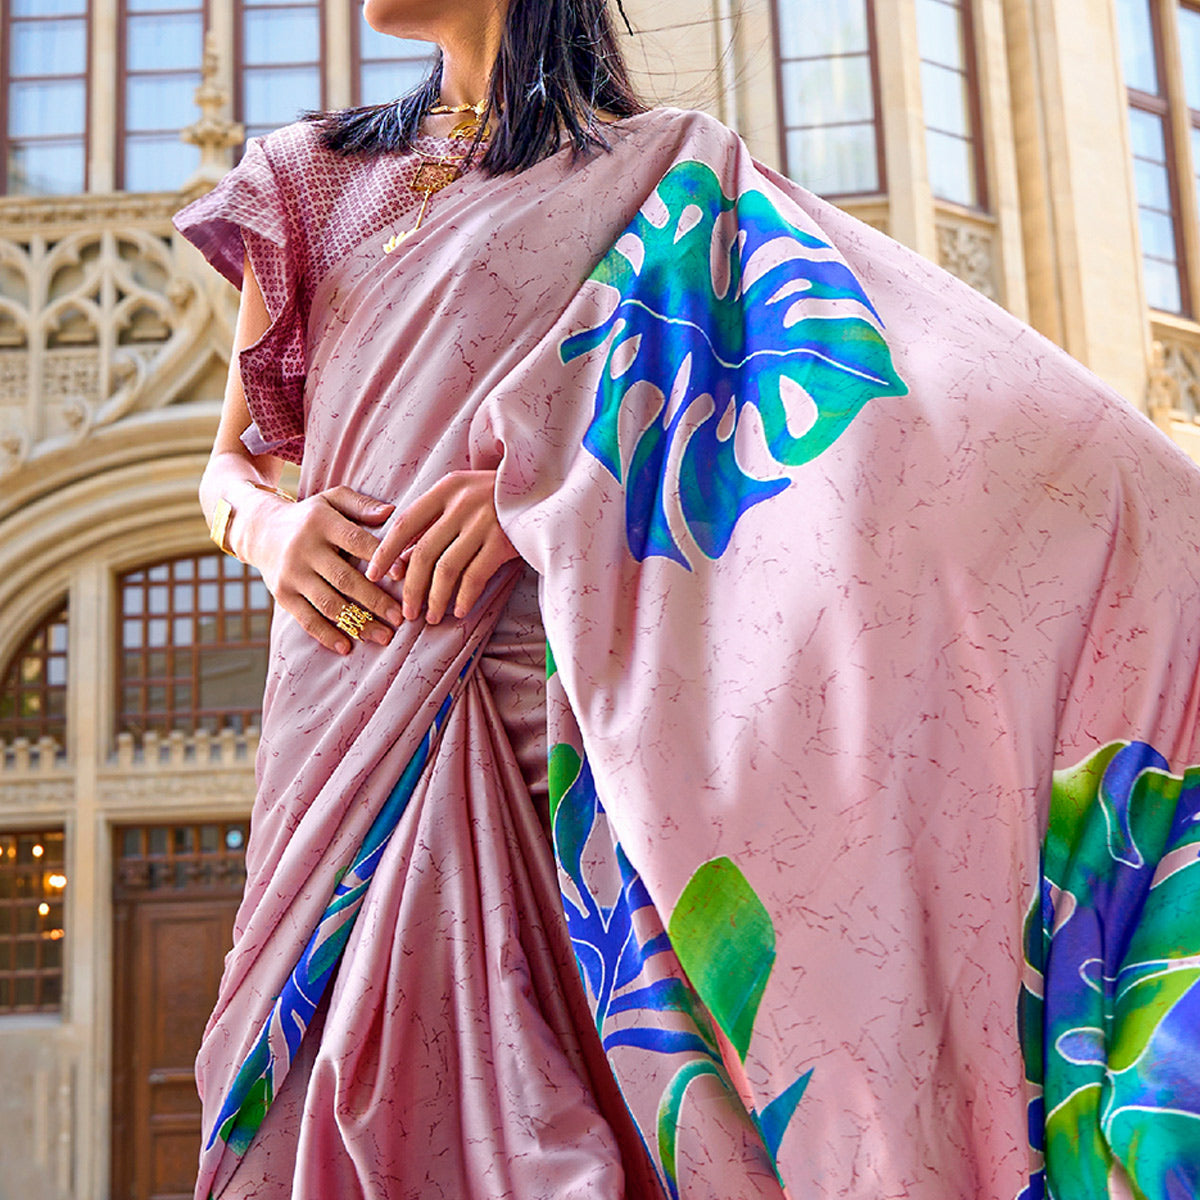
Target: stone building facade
1046,151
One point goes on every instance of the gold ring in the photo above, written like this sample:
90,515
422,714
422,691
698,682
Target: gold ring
352,619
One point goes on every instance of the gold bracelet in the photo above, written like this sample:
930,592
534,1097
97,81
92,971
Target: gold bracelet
218,530
272,491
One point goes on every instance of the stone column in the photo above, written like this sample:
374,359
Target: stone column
1076,185
910,200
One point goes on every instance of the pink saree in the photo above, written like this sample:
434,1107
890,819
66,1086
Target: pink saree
871,690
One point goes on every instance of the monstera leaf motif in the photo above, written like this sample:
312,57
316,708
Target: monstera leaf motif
1110,1015
726,313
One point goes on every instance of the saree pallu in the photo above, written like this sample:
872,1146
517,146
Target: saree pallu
872,626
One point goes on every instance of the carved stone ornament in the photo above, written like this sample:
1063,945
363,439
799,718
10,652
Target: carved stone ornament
966,250
214,133
1174,378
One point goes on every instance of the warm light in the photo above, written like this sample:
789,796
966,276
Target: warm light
39,850
43,909
57,881
53,935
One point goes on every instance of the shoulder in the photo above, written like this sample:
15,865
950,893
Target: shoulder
292,149
669,134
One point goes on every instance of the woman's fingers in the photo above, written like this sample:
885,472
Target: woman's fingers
423,562
479,572
357,506
351,584
318,611
410,525
451,567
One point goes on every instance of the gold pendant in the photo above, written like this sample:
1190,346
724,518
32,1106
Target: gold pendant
432,175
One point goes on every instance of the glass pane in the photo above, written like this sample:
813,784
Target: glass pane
37,109
158,162
383,81
1153,185
1137,45
232,678
46,168
159,5
183,568
234,595
951,168
1162,285
946,103
159,597
210,567
184,631
1146,134
838,161
131,634
1196,165
940,33
283,35
56,672
48,8
827,90
275,97
49,47
1158,236
158,43
1189,46
132,600
159,574
158,840
809,28
158,102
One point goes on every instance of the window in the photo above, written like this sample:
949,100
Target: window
193,641
387,67
33,703
1164,131
203,858
279,51
160,70
33,884
829,95
45,96
950,97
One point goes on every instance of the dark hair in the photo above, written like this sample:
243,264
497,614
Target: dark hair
559,64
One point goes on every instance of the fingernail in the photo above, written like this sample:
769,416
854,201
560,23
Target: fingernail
381,637
409,613
430,619
342,647
395,573
394,614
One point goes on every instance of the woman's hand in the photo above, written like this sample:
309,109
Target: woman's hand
447,544
297,548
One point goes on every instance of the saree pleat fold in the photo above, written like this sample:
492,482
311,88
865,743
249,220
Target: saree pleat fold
873,627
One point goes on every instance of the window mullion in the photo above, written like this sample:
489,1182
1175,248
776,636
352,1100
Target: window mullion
1179,119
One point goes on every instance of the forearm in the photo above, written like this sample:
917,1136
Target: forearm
240,479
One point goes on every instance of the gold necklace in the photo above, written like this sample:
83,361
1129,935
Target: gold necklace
433,174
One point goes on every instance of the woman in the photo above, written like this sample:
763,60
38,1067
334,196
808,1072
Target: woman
853,587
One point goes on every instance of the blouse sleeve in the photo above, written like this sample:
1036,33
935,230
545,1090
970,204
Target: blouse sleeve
246,215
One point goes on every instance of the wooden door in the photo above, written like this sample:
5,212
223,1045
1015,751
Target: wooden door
174,909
